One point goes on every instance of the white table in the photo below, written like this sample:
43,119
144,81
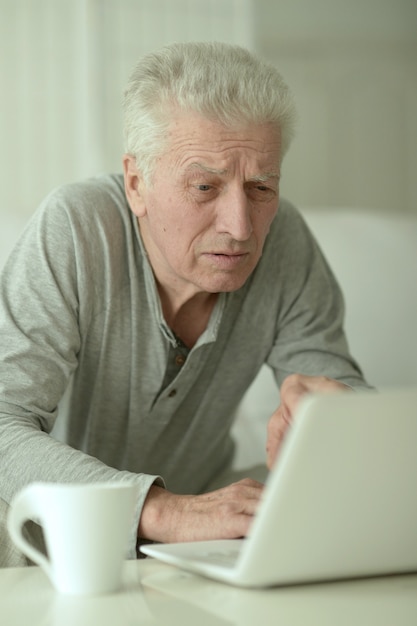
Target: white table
156,594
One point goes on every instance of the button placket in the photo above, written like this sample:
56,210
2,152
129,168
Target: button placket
180,360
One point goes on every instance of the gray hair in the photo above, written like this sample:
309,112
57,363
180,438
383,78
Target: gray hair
223,82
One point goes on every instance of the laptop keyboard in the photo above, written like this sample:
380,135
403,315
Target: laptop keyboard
226,558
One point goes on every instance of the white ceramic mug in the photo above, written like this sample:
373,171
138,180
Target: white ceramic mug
86,529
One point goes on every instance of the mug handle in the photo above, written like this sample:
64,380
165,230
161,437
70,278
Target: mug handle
22,509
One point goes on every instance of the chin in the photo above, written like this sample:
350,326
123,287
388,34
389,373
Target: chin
225,284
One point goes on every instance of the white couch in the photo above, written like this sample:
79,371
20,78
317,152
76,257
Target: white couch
374,257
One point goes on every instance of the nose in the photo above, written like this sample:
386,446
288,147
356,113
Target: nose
233,215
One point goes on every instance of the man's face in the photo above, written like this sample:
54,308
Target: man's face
214,194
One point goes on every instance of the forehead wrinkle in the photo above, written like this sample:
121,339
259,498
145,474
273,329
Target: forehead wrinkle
209,170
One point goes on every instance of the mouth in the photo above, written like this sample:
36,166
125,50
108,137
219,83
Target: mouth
227,260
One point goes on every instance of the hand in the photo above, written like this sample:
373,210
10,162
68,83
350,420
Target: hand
222,514
292,390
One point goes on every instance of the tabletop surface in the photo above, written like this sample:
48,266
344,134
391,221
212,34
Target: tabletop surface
156,594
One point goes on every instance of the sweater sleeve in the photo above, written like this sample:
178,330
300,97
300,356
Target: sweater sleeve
309,337
39,346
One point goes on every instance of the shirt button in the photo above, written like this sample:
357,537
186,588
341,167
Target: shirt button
172,393
179,360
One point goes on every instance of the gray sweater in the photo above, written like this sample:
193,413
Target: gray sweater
85,350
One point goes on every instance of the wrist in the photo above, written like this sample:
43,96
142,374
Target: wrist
157,520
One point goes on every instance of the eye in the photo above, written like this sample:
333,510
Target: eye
203,192
261,193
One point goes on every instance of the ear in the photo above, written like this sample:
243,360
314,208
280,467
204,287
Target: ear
134,186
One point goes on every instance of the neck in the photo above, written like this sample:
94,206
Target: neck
187,317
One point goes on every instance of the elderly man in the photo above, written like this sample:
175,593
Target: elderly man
136,310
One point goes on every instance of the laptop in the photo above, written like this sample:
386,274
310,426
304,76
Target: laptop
340,502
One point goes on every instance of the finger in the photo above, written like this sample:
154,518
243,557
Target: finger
277,428
242,493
